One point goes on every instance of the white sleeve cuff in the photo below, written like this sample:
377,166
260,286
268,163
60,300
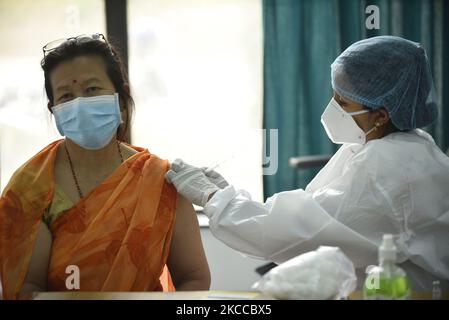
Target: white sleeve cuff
219,201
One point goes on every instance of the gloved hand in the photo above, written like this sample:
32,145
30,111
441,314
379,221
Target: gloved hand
215,178
191,182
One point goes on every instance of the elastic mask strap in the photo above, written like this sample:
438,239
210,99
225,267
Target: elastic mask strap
370,130
358,112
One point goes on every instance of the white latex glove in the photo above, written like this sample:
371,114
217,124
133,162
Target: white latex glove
191,182
215,177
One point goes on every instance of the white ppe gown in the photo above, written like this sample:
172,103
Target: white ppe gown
398,184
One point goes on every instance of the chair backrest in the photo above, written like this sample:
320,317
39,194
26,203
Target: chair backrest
305,162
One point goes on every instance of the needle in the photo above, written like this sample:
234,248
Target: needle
219,164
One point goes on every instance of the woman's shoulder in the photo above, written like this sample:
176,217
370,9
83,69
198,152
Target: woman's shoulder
399,145
400,153
130,150
379,157
34,165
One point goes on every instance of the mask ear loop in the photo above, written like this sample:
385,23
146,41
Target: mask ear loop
358,112
371,130
377,125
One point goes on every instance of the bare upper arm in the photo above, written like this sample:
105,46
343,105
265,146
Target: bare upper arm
187,260
36,277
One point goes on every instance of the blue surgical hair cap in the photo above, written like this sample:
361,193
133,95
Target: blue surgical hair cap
389,72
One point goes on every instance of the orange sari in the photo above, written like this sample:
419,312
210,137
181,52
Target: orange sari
118,235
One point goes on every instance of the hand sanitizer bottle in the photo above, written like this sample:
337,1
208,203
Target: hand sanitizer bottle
386,281
436,290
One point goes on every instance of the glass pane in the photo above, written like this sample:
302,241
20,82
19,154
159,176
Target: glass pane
26,26
196,78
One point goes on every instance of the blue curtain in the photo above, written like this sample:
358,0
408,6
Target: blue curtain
303,37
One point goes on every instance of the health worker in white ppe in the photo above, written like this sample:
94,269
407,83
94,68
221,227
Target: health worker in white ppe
387,177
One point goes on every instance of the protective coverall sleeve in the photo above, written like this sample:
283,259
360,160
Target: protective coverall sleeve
286,225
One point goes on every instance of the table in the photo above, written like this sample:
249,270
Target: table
180,295
184,295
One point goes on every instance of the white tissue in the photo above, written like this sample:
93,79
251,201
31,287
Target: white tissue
325,273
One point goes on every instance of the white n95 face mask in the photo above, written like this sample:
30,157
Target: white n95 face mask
90,122
340,126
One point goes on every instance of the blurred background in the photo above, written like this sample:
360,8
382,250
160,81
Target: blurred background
206,76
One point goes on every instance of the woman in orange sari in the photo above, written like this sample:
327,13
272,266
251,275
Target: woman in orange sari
90,212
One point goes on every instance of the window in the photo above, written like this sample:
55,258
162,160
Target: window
196,78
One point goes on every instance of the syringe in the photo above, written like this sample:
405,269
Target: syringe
219,164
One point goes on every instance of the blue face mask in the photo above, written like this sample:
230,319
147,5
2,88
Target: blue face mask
90,122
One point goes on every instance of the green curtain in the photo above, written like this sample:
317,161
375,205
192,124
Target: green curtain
301,40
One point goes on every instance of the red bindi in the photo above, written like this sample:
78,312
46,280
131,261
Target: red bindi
74,81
